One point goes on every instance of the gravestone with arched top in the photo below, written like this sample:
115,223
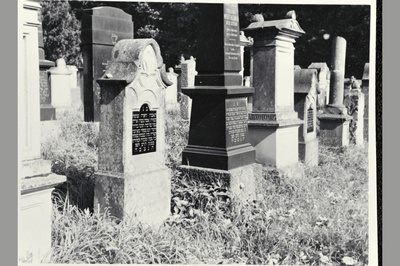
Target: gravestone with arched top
132,179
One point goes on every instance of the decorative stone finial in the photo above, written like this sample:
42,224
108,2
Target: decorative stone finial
182,59
291,14
258,18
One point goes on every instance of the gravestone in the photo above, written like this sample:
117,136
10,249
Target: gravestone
47,111
218,146
60,82
35,180
334,121
102,27
365,91
171,93
187,77
323,83
355,103
273,123
305,104
132,179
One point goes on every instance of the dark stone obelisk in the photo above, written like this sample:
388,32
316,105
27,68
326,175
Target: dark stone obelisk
218,136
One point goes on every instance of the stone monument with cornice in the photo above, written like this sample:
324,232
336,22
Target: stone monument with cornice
273,123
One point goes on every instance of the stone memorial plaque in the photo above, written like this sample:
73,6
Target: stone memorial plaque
236,121
144,130
310,120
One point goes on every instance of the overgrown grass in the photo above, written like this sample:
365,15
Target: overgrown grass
73,153
316,217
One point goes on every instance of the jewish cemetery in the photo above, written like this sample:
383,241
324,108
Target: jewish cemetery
194,133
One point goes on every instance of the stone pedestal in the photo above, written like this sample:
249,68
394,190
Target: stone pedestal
132,179
35,180
273,125
102,27
334,130
218,137
305,104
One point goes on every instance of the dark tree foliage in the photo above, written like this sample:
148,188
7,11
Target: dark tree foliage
351,22
173,26
61,32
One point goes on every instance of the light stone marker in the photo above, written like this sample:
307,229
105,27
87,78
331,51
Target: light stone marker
132,178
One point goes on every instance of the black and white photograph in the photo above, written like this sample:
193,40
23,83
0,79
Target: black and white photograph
198,132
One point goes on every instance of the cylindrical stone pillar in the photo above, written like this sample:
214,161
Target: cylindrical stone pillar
337,72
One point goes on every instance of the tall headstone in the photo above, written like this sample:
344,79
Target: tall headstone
334,121
273,123
102,27
355,104
47,111
218,144
365,91
132,179
36,182
323,83
305,104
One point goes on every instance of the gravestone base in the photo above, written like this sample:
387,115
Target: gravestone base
35,206
35,167
47,112
308,152
143,197
242,181
218,158
276,142
334,129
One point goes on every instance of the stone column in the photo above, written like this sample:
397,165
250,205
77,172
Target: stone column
273,124
334,121
219,147
336,92
36,182
102,27
133,180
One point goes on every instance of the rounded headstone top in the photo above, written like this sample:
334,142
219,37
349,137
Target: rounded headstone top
291,14
61,63
258,18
